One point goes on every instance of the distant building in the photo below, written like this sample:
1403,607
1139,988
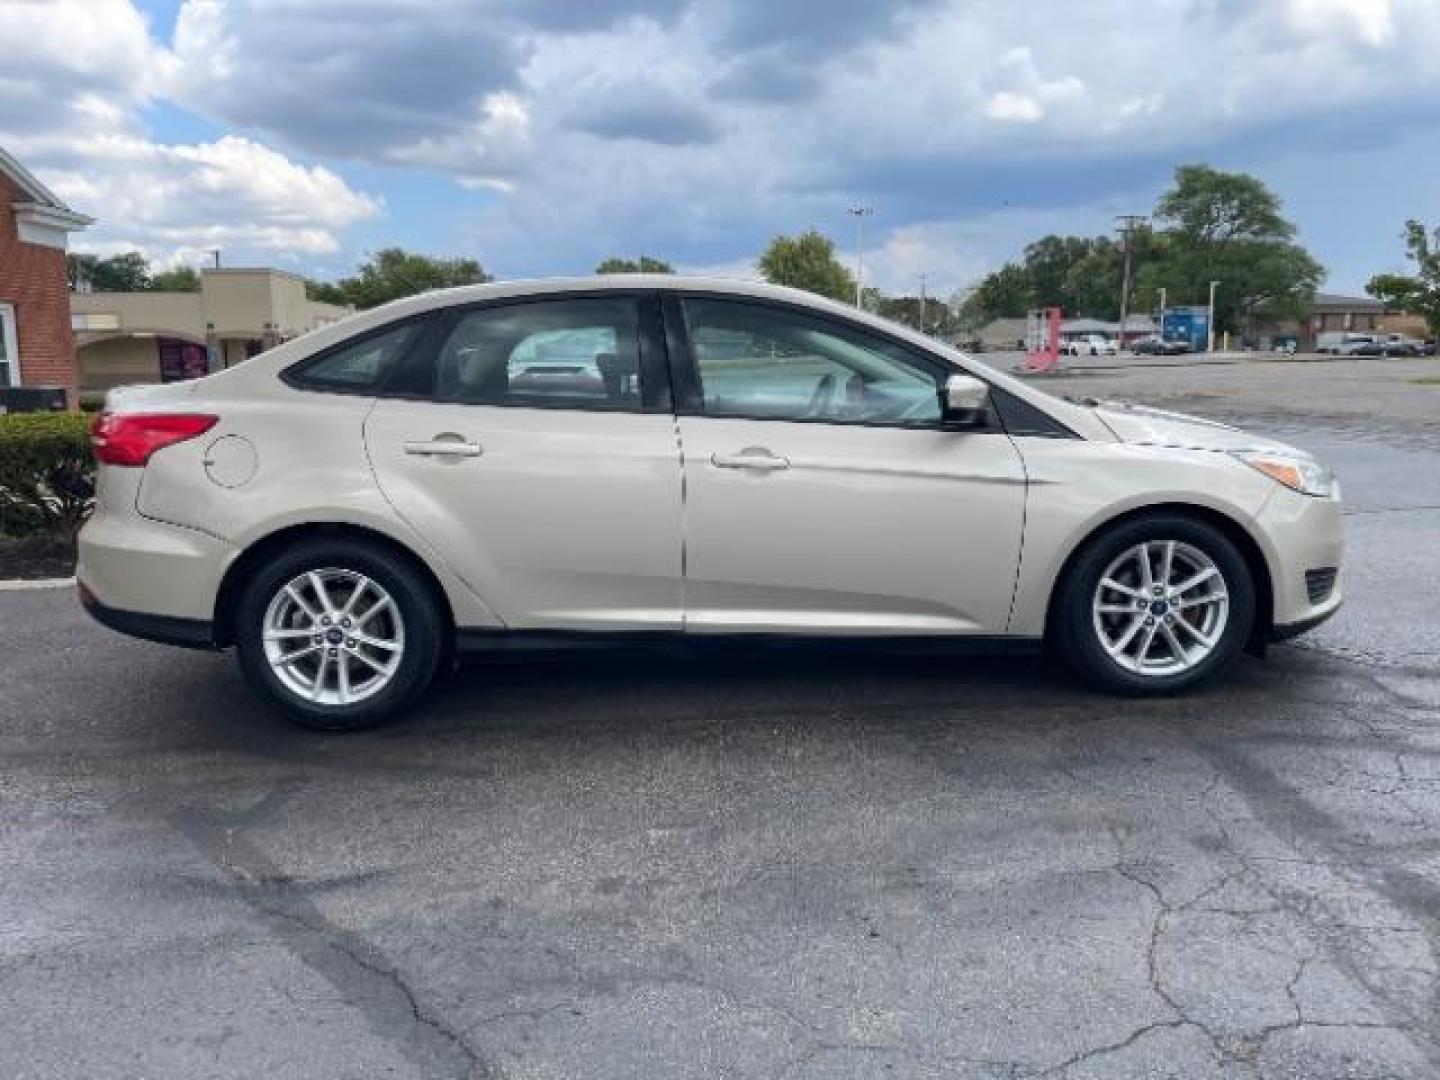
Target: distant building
1361,314
36,346
147,337
1001,335
1333,313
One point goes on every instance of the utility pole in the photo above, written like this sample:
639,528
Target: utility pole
860,213
1127,224
1210,319
216,253
923,279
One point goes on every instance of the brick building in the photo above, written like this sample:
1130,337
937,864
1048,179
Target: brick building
37,347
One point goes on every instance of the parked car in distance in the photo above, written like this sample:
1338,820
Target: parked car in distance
1390,345
1158,346
1345,343
1090,345
729,462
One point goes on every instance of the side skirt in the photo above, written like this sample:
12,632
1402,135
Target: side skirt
483,641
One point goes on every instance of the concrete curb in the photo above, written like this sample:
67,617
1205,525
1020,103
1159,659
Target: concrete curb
29,585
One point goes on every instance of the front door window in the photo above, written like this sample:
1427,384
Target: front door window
768,363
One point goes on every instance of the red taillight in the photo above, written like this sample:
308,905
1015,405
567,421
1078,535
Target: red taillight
130,438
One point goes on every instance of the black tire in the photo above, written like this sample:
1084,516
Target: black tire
1073,624
424,636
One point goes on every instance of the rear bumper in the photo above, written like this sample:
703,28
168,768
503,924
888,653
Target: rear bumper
166,629
133,564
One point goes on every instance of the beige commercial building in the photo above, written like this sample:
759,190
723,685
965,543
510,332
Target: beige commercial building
146,337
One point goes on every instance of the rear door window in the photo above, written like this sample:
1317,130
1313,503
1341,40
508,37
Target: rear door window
571,353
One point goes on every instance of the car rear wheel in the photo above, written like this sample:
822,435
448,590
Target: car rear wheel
340,635
1155,605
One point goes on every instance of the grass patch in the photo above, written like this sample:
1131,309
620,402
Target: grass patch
1427,380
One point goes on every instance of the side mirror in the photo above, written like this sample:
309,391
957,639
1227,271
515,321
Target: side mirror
965,401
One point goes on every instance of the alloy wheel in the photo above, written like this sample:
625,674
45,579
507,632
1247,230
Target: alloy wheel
333,636
1161,608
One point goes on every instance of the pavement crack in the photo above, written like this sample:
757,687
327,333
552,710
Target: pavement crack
1112,1048
1320,841
357,970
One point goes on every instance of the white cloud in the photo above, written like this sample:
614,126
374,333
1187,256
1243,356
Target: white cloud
1018,108
1372,20
231,193
485,153
70,107
691,130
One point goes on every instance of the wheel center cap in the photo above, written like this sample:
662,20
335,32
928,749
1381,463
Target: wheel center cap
1159,607
334,635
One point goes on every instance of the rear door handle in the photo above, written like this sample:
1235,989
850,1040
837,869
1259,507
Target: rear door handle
752,457
442,447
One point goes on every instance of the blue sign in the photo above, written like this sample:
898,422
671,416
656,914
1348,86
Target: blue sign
1189,324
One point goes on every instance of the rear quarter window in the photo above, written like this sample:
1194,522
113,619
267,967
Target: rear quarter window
362,365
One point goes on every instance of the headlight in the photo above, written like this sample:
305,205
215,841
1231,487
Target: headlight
1301,474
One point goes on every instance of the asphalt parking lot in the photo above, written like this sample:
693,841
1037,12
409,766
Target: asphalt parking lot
752,867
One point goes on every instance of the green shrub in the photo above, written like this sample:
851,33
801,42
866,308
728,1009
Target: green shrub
47,476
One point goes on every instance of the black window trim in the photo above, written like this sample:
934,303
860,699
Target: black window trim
685,377
655,393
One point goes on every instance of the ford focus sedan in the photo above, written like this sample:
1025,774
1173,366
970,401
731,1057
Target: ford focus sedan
624,459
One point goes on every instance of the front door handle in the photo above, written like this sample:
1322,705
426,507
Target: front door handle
752,457
443,446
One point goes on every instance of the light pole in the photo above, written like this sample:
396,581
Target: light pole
923,279
1160,321
1210,319
860,213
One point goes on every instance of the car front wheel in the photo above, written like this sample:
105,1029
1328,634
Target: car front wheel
340,634
1155,605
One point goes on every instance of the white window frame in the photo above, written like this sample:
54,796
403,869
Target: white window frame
12,345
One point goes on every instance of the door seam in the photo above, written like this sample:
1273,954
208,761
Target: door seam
684,524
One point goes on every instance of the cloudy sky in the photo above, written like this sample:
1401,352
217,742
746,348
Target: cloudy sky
542,135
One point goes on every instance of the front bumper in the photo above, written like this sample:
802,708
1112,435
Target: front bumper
1301,534
1286,631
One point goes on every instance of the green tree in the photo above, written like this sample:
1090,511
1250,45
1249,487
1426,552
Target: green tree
938,317
1093,284
324,292
1050,265
807,262
644,265
1418,293
181,279
129,272
1006,293
1228,227
393,272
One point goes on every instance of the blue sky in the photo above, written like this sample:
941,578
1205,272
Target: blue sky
540,136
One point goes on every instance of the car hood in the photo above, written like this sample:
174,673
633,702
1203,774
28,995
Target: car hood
1143,426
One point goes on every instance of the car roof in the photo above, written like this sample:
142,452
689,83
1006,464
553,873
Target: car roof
497,290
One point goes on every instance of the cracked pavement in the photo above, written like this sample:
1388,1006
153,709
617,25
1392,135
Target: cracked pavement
767,867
